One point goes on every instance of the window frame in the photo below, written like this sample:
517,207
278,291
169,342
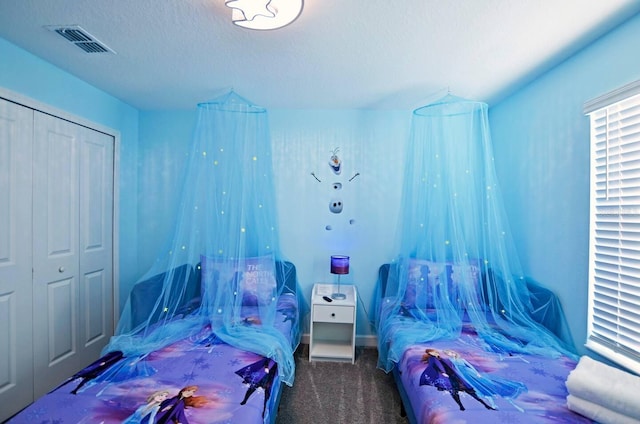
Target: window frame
614,268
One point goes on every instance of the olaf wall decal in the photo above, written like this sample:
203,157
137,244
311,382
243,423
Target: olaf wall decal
336,204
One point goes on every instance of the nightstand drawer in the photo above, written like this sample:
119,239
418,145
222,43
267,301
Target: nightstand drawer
333,313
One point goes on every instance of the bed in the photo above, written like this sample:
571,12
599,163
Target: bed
195,379
465,379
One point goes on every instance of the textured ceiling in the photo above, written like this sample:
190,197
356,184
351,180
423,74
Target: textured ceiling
347,54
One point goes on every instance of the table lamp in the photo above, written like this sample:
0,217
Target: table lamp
339,266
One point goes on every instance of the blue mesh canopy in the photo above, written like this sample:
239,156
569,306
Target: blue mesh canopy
457,267
223,268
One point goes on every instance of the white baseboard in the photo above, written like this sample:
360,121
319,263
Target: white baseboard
367,341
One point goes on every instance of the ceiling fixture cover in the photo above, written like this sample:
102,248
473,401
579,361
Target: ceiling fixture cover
264,14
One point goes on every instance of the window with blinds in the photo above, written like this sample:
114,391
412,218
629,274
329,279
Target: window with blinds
614,251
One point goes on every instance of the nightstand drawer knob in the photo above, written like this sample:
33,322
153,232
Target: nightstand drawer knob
333,314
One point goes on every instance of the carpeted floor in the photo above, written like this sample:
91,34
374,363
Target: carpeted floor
335,392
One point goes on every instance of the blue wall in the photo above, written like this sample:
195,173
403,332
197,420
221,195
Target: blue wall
165,142
372,143
541,143
29,76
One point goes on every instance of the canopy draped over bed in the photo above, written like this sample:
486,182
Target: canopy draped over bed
224,254
457,264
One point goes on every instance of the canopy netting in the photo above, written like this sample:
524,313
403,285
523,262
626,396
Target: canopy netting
457,266
224,257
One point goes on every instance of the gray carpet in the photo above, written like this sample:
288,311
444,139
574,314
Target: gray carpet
334,392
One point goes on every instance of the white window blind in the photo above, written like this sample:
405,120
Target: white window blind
614,265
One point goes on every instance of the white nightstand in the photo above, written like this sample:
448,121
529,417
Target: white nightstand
333,324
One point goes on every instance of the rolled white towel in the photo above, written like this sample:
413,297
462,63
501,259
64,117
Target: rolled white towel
598,413
606,386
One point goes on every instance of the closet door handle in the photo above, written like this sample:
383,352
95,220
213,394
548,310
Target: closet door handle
61,269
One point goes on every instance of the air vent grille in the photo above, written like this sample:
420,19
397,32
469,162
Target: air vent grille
81,38
92,47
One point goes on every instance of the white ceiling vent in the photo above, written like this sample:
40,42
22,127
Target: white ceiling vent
81,38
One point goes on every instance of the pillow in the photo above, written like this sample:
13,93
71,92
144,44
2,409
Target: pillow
417,276
464,283
257,282
213,271
254,278
429,281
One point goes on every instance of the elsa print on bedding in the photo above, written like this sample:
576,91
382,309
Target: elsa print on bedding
448,371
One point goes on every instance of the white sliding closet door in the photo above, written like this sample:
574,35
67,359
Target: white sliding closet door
72,248
16,319
56,251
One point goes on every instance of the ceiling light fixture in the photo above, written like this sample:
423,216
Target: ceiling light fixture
264,14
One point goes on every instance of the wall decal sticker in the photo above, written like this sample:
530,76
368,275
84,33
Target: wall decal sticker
336,205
